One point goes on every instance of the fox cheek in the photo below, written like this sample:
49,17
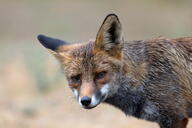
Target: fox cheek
105,89
76,93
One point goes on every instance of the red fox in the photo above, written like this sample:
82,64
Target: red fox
148,79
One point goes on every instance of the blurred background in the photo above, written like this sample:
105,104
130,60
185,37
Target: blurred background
34,92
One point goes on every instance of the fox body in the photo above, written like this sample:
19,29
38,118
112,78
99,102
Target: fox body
150,79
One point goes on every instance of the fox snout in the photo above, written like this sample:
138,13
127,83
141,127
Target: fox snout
89,101
85,101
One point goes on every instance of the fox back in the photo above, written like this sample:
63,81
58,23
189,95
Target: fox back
150,79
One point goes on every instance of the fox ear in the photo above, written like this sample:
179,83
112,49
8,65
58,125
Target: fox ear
50,43
109,38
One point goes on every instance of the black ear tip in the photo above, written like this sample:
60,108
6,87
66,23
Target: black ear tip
111,17
112,14
50,43
41,37
44,40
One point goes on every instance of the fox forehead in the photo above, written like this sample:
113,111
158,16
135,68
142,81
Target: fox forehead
83,59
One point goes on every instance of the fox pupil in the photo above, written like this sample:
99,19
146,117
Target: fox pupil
100,75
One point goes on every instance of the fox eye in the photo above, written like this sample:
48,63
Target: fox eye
76,79
100,75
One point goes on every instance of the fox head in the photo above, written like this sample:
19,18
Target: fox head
92,69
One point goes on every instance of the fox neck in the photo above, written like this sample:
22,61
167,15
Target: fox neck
130,101
135,62
130,95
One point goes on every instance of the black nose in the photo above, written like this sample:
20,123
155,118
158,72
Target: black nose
85,101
